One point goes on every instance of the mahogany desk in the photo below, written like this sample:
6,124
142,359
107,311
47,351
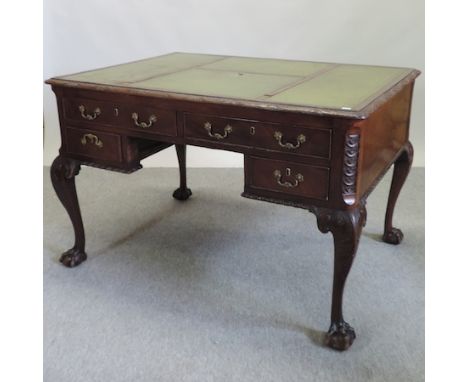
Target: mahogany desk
318,136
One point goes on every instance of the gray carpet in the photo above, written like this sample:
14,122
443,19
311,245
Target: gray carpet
223,288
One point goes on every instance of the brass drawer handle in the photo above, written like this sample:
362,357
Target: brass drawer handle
297,178
92,139
89,117
227,131
279,137
144,125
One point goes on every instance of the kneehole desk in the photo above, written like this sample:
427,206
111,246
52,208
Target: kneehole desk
314,135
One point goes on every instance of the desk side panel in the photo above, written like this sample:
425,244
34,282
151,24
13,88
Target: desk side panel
383,134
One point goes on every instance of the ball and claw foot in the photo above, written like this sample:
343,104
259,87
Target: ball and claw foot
395,236
340,336
73,257
182,193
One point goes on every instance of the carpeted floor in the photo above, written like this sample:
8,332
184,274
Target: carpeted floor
223,288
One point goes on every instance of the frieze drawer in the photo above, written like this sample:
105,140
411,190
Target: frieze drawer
149,119
90,111
218,130
305,141
141,117
298,140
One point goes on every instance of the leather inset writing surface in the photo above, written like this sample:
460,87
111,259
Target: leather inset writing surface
280,84
345,87
218,83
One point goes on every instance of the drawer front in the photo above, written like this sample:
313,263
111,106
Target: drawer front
218,130
90,111
314,142
288,177
305,141
149,119
94,144
142,117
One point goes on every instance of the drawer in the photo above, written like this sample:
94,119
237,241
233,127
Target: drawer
90,111
94,144
149,119
287,177
217,129
141,116
305,141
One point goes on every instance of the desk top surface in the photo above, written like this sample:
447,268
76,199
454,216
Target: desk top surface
316,87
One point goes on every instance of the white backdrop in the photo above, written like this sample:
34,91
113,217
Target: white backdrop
87,34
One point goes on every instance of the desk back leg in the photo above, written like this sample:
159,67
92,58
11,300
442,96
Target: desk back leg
63,172
182,193
401,169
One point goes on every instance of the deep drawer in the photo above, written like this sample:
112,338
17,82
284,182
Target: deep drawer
287,177
94,144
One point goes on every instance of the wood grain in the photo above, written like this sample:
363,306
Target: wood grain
325,160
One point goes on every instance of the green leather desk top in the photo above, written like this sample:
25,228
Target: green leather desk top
269,82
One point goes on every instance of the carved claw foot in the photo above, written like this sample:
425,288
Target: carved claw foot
73,257
182,193
394,236
340,336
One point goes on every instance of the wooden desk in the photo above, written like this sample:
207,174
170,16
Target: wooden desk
314,135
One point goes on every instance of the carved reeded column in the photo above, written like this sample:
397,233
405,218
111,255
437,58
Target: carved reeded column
346,226
182,193
401,169
63,172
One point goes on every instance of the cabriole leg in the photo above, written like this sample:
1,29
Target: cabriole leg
346,228
401,170
63,172
182,193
